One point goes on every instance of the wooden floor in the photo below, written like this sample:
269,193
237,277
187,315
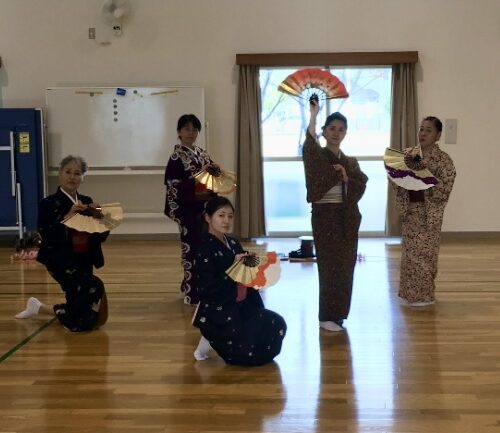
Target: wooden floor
395,369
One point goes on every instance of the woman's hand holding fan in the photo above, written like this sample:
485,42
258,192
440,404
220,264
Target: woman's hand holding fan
78,207
214,169
413,158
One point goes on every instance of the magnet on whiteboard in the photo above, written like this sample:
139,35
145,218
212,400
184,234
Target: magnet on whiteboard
120,91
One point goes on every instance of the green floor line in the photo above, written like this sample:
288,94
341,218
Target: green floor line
26,340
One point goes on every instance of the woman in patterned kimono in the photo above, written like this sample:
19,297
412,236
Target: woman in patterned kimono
70,255
185,197
231,317
422,217
334,185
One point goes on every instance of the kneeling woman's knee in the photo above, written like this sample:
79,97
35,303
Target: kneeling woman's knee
96,287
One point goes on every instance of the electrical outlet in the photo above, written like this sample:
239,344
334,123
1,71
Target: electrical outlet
91,32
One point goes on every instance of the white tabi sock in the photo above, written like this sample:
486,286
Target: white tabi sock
331,326
201,352
32,308
421,303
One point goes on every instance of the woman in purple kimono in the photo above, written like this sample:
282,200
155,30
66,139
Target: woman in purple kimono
185,198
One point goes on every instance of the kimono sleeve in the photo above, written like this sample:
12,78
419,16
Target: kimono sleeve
402,198
445,174
213,283
235,245
180,185
49,221
357,181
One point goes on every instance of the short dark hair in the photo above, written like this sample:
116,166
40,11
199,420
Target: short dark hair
435,121
215,203
335,116
186,119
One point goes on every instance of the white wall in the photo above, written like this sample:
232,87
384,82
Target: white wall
44,43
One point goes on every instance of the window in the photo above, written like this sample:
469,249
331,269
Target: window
284,121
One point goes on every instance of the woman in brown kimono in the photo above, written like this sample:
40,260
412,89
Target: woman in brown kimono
334,184
422,216
185,198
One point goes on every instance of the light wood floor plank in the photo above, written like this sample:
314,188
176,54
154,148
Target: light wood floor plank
395,369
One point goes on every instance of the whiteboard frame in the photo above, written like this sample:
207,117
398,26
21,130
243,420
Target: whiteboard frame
130,169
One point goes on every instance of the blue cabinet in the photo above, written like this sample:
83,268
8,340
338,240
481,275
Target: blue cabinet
22,168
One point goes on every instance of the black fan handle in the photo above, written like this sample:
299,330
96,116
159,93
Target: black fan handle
314,99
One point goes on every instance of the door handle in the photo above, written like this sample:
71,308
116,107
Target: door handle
19,210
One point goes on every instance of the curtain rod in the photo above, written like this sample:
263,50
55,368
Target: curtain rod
328,59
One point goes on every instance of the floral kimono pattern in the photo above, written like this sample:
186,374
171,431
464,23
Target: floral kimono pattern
335,226
421,229
183,207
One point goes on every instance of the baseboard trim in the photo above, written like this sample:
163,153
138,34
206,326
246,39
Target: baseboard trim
494,236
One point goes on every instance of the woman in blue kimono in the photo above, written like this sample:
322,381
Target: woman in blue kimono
185,197
231,317
70,255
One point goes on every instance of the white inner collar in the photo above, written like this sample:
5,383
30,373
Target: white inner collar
74,200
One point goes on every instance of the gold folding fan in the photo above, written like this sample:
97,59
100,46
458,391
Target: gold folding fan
108,217
220,182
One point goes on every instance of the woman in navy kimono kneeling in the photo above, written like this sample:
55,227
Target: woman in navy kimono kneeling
231,317
70,255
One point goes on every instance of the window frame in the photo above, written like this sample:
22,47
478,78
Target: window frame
339,59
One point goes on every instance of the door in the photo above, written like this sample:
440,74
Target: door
22,167
8,212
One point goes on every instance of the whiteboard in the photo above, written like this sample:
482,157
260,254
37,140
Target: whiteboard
119,127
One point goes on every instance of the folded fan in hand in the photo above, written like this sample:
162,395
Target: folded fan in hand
96,221
405,177
301,83
218,181
257,271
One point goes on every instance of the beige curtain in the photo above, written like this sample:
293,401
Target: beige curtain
403,128
250,221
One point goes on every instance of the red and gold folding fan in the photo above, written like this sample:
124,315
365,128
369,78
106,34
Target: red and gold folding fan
96,220
256,270
304,83
217,180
